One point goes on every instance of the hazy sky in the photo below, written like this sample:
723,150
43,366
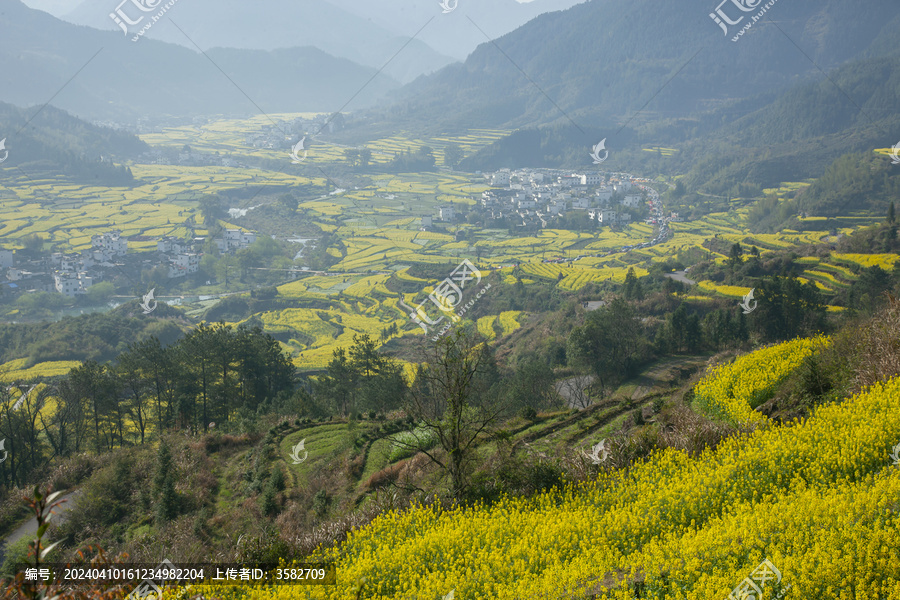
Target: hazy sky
60,7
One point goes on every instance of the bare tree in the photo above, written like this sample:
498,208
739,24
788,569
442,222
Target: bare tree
575,390
450,399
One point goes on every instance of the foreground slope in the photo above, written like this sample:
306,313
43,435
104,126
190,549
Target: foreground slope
817,498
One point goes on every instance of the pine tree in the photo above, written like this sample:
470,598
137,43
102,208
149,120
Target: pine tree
164,486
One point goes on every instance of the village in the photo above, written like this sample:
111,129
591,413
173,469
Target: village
74,274
535,196
526,197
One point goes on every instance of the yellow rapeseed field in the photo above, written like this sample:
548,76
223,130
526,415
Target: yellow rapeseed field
735,389
818,499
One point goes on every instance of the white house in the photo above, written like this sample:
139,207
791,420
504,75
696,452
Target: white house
591,179
71,284
581,203
632,200
236,238
624,186
500,179
605,194
189,262
109,244
447,213
607,217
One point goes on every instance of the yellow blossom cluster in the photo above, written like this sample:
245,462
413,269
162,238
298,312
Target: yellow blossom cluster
737,388
818,499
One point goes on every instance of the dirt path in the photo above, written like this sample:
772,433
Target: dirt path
29,528
681,276
663,374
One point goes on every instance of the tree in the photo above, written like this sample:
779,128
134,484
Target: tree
453,154
365,157
632,288
362,380
336,386
100,293
288,202
212,211
137,385
164,485
451,399
352,156
735,257
94,384
788,309
610,343
533,386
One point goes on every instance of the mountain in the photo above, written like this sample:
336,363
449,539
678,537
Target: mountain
458,32
615,62
49,140
103,75
274,24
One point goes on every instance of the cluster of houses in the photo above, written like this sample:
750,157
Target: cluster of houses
73,274
277,135
538,195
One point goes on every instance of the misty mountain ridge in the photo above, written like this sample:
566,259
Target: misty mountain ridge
271,25
452,33
121,80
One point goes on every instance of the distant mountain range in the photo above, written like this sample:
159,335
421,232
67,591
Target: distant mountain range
275,24
458,32
369,33
104,75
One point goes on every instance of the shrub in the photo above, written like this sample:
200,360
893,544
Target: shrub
320,503
276,481
528,413
268,504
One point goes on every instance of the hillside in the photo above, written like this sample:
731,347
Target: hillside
46,140
572,73
697,490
